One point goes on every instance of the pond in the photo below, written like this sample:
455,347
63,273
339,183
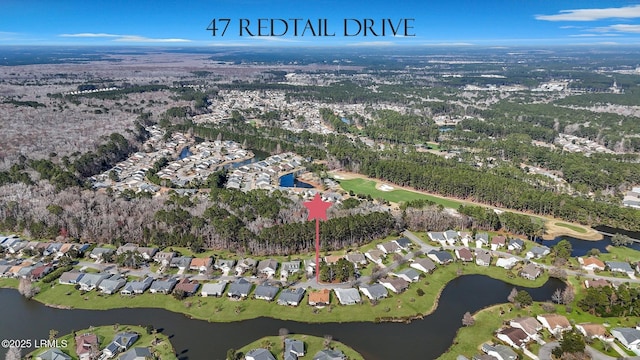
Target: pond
196,339
290,180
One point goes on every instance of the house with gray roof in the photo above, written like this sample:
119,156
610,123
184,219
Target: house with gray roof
293,349
245,265
374,291
266,292
163,286
112,284
440,256
164,258
291,297
259,354
530,271
91,281
181,262
137,353
224,264
629,337
4,269
329,354
403,243
500,352
25,272
358,259
53,354
267,267
213,289
100,252
121,342
483,257
451,236
137,287
515,244
397,285
410,275
425,265
389,247
375,256
348,296
438,237
128,247
619,266
70,277
239,289
290,267
538,252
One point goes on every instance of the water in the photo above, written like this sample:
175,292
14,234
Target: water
184,153
257,156
582,247
290,180
196,339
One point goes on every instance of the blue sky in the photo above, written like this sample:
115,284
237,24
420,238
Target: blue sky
448,22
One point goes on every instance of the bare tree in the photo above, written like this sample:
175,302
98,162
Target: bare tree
557,296
568,295
26,288
467,319
512,295
14,353
327,340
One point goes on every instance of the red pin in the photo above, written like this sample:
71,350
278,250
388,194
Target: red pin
317,210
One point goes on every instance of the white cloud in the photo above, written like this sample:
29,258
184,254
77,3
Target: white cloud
622,28
125,38
593,35
627,12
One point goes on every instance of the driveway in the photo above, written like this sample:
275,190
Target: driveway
545,352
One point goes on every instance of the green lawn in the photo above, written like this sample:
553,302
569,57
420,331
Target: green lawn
312,345
368,187
163,349
620,253
572,227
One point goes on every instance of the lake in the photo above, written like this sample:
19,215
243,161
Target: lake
582,247
197,339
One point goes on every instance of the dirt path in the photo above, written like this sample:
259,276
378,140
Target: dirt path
551,229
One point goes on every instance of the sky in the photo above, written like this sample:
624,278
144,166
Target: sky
410,22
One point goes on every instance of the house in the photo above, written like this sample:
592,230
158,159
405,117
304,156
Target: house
163,286
530,271
403,243
52,249
451,237
389,247
440,256
267,267
121,342
329,354
554,323
291,297
465,237
375,256
99,253
348,296
464,254
438,237
483,257
310,266
213,289
181,262
507,263
259,354
358,259
538,252
515,244
619,266
265,292
374,291
70,277
91,281
593,331
500,352
425,265
596,283
137,353
498,242
320,297
85,344
147,253
53,354
293,347
629,337
239,289
164,258
245,265
112,284
290,267
332,259
187,286
515,337
137,287
40,271
224,265
591,263
410,275
128,247
200,264
397,285
528,324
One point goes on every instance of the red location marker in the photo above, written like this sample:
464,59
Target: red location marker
317,210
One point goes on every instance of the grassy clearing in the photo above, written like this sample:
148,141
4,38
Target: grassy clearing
620,253
575,228
163,349
368,187
8,283
312,344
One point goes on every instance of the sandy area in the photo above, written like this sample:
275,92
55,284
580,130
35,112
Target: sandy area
552,231
384,187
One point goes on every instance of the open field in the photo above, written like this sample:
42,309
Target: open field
312,344
572,227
